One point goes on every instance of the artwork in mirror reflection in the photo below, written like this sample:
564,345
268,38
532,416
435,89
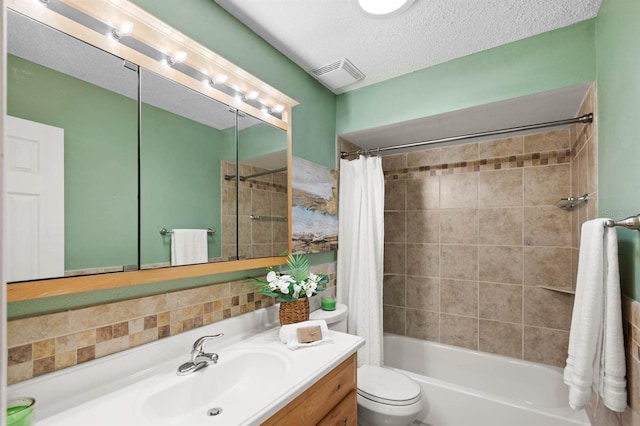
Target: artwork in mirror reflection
88,222
262,189
185,137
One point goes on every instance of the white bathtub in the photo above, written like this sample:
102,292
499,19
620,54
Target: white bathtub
463,387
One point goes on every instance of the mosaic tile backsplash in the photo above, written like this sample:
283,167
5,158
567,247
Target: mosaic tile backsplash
47,343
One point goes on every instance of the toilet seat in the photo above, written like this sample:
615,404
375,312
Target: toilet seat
387,387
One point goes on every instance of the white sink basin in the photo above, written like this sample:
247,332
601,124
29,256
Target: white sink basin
174,399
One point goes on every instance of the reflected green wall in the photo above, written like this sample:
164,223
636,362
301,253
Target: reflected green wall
618,68
179,180
100,155
260,139
551,60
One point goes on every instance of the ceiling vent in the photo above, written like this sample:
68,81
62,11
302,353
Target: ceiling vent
338,74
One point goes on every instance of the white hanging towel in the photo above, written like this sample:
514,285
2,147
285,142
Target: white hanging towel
596,358
189,246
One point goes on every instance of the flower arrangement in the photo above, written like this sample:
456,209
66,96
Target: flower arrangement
298,283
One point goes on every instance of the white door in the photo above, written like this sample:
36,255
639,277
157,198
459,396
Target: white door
34,171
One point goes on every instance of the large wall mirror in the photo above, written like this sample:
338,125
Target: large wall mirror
72,172
107,159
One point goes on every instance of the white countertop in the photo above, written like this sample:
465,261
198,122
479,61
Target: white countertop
255,377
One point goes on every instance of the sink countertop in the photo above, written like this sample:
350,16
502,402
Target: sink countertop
256,376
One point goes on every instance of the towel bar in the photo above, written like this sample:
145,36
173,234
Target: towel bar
163,231
632,222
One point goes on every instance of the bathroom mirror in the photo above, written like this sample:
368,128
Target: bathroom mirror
131,168
72,173
185,140
262,194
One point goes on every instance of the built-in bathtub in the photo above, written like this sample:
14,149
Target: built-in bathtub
463,387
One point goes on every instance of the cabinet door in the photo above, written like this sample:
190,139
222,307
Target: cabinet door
344,414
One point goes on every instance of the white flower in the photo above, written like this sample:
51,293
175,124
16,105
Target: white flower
272,276
284,286
313,277
296,290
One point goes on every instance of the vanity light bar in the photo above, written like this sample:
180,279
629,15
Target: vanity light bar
176,60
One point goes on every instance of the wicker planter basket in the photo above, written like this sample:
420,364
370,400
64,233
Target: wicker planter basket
292,312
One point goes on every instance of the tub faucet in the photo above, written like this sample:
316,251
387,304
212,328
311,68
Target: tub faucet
199,358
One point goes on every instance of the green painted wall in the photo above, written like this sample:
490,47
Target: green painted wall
100,136
179,180
618,79
207,23
260,139
545,62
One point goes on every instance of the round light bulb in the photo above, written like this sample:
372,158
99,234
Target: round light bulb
252,95
220,78
380,8
124,30
277,109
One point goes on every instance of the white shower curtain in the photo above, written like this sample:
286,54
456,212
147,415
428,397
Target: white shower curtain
360,252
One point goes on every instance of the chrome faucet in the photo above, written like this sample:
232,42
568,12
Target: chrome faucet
199,358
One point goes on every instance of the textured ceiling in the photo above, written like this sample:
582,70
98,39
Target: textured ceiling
316,33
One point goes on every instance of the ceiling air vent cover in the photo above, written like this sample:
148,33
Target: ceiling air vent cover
338,74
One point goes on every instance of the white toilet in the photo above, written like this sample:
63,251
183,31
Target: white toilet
385,397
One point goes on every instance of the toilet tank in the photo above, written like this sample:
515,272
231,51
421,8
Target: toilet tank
336,319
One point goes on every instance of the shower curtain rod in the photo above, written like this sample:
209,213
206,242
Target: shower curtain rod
587,118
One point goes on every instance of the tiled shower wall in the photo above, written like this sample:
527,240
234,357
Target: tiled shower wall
46,343
474,245
264,196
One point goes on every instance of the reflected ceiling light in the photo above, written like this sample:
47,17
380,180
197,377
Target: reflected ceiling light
124,30
177,58
277,109
383,8
251,95
45,3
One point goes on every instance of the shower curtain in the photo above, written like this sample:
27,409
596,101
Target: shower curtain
360,252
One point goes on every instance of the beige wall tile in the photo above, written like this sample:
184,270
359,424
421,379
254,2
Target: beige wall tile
500,188
426,157
66,343
394,162
393,319
422,324
423,193
501,264
500,338
592,165
546,346
459,297
545,185
459,262
112,346
423,226
395,194
500,226
501,147
393,290
459,331
45,348
549,266
550,141
459,153
502,302
19,372
395,258
41,327
459,226
459,191
65,359
394,227
423,293
423,260
546,308
547,226
260,202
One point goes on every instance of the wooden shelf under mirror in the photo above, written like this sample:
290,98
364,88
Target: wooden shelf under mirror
63,286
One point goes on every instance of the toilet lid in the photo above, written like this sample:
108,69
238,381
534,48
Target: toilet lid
387,386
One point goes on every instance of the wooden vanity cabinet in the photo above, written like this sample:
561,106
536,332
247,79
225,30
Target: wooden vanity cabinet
332,400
